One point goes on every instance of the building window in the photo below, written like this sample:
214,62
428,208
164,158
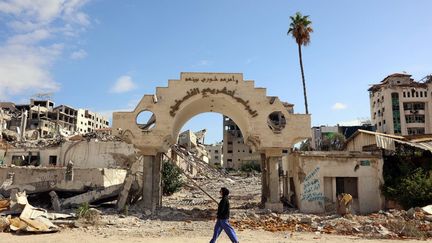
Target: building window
216,157
53,160
414,106
415,118
230,151
216,151
396,113
416,130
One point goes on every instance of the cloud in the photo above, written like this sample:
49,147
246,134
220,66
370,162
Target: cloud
123,84
25,69
35,39
355,122
339,106
80,54
250,60
202,63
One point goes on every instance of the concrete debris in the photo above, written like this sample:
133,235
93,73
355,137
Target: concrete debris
377,225
427,209
4,204
31,219
109,193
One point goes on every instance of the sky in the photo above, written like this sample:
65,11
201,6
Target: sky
104,54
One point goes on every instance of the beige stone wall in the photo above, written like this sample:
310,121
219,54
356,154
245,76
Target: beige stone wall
315,176
225,93
84,154
91,177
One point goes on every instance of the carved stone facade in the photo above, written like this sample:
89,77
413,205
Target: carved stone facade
225,93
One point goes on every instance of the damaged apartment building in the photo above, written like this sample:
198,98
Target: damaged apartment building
41,119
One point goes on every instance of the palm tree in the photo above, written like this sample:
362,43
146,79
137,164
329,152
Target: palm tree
300,29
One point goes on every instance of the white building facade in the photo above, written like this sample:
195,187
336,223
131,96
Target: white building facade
88,121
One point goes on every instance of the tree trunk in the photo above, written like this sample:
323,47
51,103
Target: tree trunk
303,79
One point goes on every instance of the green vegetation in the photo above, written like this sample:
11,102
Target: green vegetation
171,178
251,166
82,210
408,177
333,141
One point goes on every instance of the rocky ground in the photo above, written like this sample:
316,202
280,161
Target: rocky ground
188,216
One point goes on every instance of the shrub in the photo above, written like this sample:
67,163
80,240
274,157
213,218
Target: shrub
251,166
171,178
87,214
417,189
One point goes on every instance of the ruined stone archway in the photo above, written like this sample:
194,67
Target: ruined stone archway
225,93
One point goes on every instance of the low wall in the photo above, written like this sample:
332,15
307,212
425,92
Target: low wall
95,177
84,154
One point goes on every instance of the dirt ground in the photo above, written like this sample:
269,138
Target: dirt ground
183,234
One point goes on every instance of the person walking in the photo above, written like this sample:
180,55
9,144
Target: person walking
222,218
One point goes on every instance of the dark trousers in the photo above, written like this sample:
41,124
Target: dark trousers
223,224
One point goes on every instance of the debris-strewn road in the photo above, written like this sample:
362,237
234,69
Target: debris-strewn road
183,234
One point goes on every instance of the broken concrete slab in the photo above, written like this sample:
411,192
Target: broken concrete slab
92,196
427,209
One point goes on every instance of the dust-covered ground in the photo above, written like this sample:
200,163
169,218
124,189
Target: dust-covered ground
188,216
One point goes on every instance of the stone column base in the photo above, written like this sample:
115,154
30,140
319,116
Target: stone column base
274,207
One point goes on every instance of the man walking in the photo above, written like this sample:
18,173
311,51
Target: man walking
222,218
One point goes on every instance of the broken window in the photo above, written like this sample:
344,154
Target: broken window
25,160
276,121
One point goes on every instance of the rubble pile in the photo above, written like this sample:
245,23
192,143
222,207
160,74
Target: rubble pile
394,224
39,143
101,136
30,219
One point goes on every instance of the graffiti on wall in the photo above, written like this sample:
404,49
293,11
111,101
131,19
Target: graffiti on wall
312,187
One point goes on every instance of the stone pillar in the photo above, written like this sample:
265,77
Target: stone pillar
152,192
273,202
264,180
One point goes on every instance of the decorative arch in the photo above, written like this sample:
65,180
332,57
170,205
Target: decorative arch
225,93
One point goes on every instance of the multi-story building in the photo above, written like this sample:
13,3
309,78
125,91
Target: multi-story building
399,105
66,118
88,121
47,120
215,154
235,151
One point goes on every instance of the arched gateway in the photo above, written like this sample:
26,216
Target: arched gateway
267,124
